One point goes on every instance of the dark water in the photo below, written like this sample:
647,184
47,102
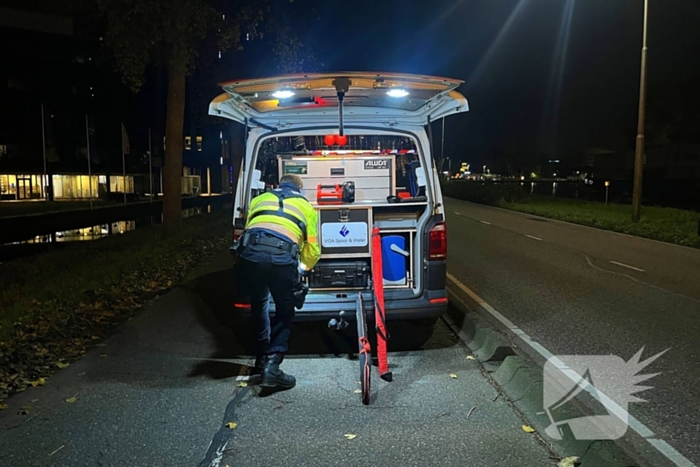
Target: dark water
41,243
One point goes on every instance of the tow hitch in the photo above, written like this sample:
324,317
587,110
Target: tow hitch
338,324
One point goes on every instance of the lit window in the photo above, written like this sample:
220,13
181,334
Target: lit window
199,143
188,143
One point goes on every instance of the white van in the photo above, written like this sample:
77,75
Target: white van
361,143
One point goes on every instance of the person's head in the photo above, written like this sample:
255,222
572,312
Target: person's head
293,179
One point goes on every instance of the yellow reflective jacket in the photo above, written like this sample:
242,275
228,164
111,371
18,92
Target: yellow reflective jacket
293,204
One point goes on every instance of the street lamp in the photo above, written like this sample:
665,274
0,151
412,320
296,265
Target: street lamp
639,149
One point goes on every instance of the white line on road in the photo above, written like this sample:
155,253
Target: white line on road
484,222
662,446
627,266
534,238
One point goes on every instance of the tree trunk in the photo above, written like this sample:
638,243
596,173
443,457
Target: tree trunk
172,173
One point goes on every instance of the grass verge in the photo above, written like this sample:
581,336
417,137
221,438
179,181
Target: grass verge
55,306
664,224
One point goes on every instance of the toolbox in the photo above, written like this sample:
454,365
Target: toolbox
336,194
329,274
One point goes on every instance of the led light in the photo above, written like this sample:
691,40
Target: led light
397,93
282,94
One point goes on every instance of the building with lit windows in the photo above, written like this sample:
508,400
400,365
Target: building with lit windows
65,114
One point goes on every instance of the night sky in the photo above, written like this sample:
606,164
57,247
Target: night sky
543,76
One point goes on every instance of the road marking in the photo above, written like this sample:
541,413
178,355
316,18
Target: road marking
627,266
484,222
457,213
638,427
534,238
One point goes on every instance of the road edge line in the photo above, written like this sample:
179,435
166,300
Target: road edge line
660,445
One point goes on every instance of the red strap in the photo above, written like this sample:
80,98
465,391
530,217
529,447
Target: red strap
379,311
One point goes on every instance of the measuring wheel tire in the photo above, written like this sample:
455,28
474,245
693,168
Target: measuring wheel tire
365,355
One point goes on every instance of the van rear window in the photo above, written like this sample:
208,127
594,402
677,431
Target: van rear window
377,166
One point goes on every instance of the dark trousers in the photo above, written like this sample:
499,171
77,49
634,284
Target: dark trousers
260,280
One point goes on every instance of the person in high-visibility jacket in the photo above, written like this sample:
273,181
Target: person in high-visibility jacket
278,246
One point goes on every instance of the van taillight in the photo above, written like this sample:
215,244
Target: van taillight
437,242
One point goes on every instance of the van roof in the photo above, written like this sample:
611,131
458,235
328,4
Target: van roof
312,98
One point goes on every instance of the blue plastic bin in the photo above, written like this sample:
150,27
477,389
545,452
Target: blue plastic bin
393,263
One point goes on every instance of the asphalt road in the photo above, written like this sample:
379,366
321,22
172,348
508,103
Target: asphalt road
159,392
583,291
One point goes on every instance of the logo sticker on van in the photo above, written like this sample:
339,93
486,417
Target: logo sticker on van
376,164
344,234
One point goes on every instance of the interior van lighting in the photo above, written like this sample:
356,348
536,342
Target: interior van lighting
397,93
282,94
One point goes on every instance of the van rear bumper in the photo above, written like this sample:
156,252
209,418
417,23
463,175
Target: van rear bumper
431,304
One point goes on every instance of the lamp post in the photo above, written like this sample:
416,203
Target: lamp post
639,149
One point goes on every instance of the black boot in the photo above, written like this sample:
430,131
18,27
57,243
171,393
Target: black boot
272,376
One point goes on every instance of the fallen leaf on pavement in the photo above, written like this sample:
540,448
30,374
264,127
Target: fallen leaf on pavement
62,365
470,357
453,376
70,400
350,436
26,407
572,461
231,425
94,337
3,406
38,382
35,400
242,384
103,355
528,429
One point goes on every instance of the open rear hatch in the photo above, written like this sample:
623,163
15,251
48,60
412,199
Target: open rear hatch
282,101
